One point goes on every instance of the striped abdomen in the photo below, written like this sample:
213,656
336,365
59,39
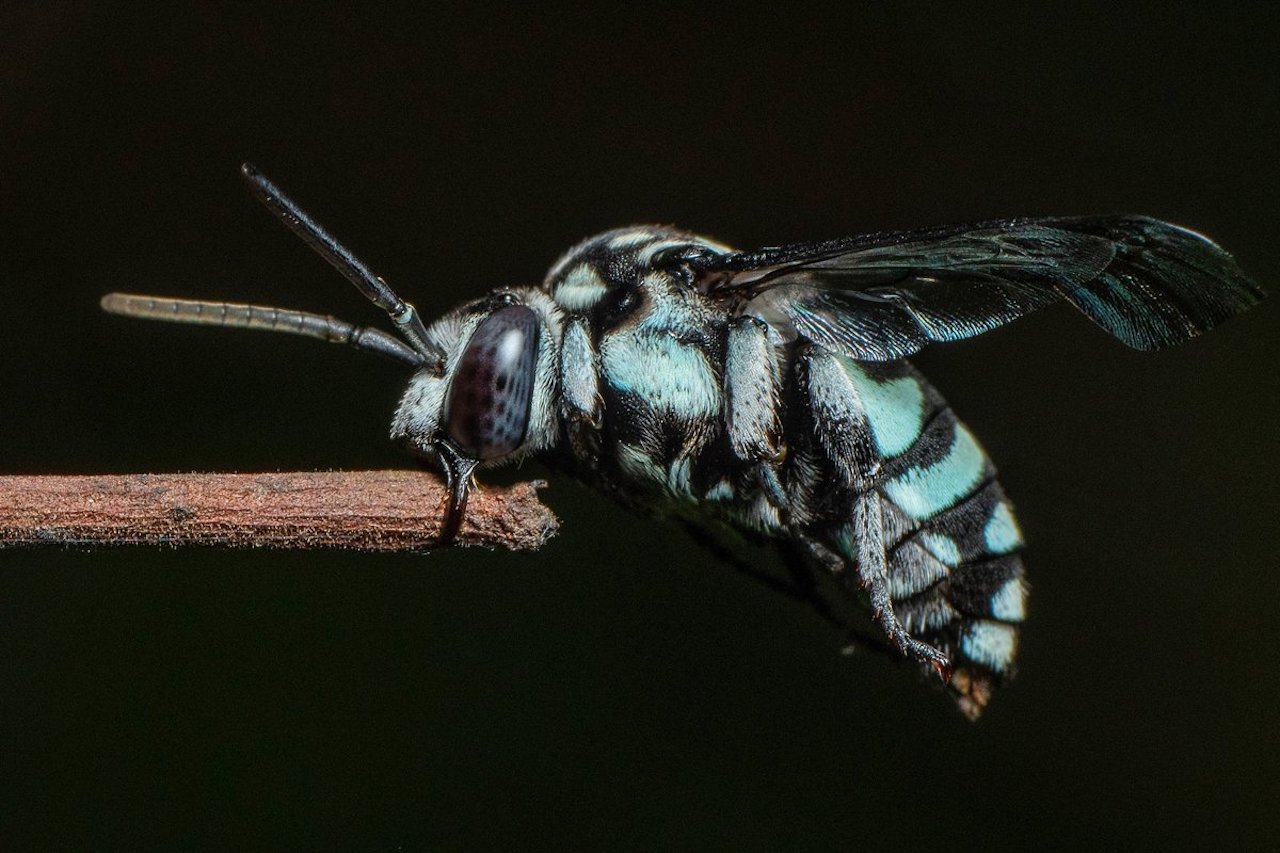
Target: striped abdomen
950,540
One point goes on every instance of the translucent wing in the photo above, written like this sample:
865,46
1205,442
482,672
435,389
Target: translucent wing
885,296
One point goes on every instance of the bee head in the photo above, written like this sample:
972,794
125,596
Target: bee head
484,377
489,398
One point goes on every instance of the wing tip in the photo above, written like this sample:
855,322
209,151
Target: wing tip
1169,284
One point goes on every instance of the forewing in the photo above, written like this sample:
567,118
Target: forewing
885,296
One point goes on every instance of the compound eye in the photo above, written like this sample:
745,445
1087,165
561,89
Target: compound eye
487,407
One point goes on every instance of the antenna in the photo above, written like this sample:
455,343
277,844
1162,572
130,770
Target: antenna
263,317
352,268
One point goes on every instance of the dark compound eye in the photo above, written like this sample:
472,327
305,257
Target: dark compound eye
487,408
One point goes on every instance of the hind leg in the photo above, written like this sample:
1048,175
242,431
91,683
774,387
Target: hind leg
866,547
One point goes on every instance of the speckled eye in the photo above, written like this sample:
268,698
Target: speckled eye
487,408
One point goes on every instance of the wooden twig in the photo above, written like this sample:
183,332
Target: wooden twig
360,510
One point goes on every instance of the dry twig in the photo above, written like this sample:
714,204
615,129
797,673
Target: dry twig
358,510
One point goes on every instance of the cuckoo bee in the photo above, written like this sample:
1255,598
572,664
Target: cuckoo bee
769,390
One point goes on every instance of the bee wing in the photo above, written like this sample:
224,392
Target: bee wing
885,296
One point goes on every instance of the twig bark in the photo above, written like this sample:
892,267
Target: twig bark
358,510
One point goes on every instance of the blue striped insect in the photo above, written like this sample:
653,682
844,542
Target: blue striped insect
769,390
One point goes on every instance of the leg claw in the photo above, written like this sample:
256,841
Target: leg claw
943,668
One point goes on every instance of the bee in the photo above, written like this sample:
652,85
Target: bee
770,391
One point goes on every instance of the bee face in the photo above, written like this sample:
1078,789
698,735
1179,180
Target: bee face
492,395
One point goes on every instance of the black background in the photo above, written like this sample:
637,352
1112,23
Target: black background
621,689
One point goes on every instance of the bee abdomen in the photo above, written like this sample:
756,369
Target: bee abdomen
956,570
952,548
950,539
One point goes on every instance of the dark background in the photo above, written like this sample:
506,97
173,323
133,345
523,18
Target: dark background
621,689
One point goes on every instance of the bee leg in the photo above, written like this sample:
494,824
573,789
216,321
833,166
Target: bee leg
801,589
873,572
805,583
803,554
458,471
873,576
767,477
